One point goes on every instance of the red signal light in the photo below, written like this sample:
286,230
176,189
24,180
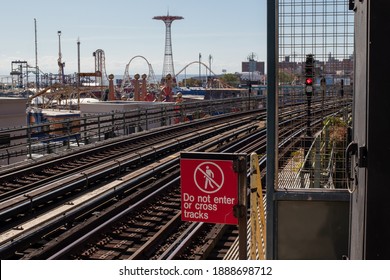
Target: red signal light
309,81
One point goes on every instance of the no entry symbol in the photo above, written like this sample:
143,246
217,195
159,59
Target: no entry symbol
209,177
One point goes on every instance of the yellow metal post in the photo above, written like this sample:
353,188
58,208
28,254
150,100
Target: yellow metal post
258,231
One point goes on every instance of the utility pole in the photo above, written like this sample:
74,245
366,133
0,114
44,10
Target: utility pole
78,62
210,58
36,57
200,76
61,64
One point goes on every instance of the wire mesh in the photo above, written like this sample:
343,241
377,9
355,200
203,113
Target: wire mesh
314,158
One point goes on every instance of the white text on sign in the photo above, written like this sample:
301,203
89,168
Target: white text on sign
203,203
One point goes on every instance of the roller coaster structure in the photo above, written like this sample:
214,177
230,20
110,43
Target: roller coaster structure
151,78
221,84
100,66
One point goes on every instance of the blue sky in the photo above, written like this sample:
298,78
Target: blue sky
229,30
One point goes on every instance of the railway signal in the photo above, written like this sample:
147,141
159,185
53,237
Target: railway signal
309,79
309,85
309,66
309,74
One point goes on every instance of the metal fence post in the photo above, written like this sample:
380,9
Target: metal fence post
242,220
99,128
317,163
124,123
146,120
68,131
29,141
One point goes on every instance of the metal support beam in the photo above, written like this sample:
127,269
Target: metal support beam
272,121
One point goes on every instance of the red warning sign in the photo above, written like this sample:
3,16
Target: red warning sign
209,190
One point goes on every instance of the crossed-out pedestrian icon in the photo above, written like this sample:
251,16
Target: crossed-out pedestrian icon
208,177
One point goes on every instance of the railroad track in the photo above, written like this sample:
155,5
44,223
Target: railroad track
139,195
29,198
22,178
61,236
180,244
21,224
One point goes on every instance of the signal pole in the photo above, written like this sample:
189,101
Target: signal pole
309,77
309,80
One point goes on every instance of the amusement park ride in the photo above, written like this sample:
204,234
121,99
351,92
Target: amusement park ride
65,91
68,91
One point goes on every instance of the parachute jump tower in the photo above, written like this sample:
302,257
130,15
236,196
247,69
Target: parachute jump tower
168,55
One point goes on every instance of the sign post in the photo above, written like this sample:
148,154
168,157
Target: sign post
213,190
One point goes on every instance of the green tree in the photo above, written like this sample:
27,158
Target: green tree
191,82
285,77
231,79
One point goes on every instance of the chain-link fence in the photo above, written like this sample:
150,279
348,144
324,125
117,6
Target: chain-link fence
322,30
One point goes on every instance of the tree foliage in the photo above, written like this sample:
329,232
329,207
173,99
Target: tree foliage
286,78
191,82
231,79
